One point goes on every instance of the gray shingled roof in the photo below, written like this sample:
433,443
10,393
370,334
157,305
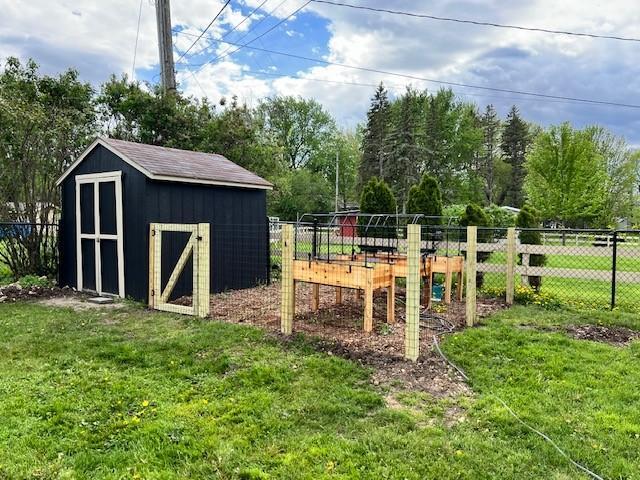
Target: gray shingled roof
172,162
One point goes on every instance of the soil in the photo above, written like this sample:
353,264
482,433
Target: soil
76,302
14,292
618,336
337,330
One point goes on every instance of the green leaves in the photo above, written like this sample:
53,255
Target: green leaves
566,178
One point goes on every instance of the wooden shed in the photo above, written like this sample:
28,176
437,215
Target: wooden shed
116,189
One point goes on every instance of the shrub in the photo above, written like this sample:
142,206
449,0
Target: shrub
425,198
474,215
499,217
530,218
377,198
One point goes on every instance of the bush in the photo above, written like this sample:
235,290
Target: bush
530,218
474,215
34,281
377,198
499,217
425,198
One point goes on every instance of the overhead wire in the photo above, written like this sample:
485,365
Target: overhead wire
241,46
205,30
477,22
425,79
135,48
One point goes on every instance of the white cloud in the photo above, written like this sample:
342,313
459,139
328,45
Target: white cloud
98,38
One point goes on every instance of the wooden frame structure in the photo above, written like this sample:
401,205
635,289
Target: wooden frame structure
360,272
197,247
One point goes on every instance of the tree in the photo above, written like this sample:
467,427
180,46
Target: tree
403,150
622,166
299,126
474,215
375,135
490,156
425,198
452,138
149,115
46,123
529,218
376,198
566,179
514,146
297,192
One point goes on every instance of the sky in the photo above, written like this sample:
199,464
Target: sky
98,39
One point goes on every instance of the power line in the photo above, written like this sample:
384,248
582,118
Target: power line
476,22
235,27
135,48
241,46
247,33
424,79
204,31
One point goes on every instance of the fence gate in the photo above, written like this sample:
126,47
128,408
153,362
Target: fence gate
197,249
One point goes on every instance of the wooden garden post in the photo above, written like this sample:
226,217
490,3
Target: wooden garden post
202,307
472,248
511,265
412,327
288,293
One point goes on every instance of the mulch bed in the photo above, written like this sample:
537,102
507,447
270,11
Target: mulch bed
337,330
619,336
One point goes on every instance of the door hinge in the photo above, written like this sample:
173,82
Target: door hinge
153,293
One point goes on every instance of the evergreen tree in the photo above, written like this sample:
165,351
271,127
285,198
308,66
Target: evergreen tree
514,146
425,198
376,198
374,137
490,154
403,153
529,217
474,215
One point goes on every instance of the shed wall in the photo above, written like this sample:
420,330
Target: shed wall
237,218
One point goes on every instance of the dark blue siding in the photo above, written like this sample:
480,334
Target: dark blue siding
237,218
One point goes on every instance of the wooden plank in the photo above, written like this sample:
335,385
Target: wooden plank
181,309
491,267
315,297
471,307
578,273
448,277
182,262
157,269
391,302
368,301
511,265
338,295
332,274
412,326
151,264
204,271
287,307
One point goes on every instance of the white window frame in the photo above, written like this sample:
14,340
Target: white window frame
96,236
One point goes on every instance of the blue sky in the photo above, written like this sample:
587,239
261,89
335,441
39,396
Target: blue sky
98,39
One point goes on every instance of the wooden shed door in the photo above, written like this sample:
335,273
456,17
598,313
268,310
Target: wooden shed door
99,233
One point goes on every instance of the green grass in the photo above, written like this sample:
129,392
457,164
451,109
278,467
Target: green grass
130,394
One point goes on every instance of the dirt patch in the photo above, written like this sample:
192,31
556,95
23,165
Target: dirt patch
337,330
618,336
14,292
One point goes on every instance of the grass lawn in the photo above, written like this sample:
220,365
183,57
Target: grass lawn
131,394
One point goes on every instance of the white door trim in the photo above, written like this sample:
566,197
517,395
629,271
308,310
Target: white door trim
96,179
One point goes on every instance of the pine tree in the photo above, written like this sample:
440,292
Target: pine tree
403,150
514,146
425,198
490,154
376,198
375,134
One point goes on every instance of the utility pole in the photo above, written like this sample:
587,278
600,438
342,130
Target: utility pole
165,46
337,169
